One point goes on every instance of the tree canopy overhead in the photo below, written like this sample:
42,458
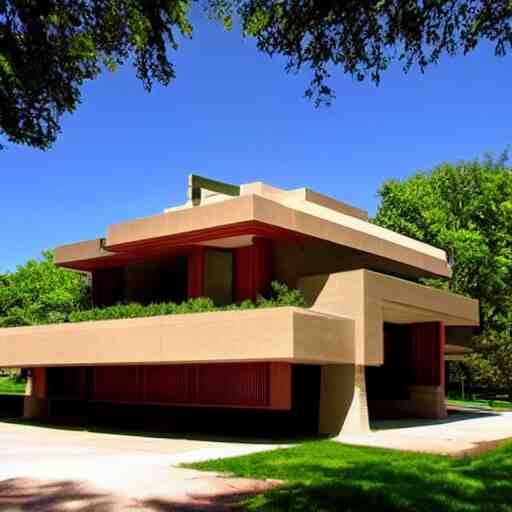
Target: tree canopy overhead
48,49
364,38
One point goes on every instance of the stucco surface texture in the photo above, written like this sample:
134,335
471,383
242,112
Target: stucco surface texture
464,432
47,469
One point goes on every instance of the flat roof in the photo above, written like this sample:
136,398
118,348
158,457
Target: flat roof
260,210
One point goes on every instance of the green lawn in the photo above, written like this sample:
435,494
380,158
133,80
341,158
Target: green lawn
9,386
329,476
490,404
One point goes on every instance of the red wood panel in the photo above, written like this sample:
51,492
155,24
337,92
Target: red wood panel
234,384
222,385
428,342
39,382
243,278
196,272
253,270
116,383
262,265
169,384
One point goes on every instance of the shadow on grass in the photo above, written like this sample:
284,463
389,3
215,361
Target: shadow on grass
327,476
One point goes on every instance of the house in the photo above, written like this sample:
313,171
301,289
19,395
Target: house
372,341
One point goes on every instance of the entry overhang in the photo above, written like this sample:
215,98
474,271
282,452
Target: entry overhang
371,299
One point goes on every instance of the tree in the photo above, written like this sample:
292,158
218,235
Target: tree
39,292
466,209
48,49
364,38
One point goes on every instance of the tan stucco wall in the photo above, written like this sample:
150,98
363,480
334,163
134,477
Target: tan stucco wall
370,299
281,334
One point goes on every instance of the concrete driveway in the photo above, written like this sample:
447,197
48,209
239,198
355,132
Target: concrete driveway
46,469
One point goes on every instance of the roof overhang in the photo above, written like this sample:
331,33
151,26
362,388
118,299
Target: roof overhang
255,215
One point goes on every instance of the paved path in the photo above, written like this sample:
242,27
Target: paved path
464,432
44,469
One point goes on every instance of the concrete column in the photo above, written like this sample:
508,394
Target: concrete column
343,401
36,403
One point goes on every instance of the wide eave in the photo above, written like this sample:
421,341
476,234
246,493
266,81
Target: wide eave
249,215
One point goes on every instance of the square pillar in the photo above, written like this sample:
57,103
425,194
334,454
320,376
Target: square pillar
343,401
427,390
36,403
253,270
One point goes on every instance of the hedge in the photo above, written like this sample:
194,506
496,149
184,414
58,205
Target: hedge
281,296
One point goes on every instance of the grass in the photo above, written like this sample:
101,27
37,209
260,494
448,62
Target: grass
488,404
9,386
328,476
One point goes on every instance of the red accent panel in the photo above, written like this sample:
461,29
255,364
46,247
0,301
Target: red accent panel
253,270
243,276
116,384
247,385
234,384
196,272
428,341
170,384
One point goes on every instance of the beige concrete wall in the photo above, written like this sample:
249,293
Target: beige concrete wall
370,299
343,405
281,334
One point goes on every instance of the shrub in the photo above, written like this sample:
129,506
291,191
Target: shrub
280,296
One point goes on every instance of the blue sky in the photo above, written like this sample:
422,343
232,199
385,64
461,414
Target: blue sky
234,115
